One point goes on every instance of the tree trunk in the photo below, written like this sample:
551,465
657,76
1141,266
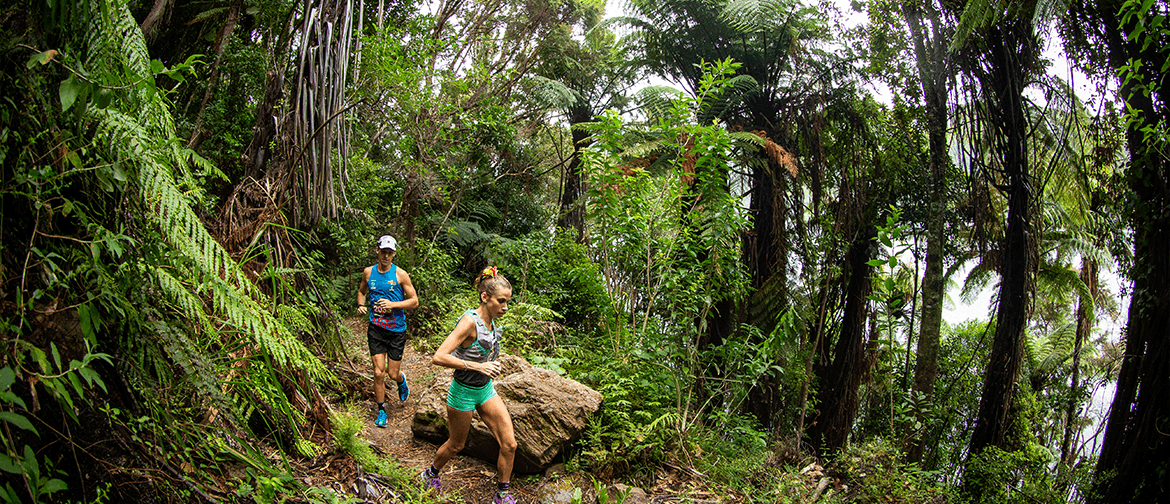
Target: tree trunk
1136,448
221,42
156,17
258,152
1084,327
930,54
816,354
840,381
1010,47
572,208
767,251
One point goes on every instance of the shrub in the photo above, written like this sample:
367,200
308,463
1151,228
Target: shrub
554,271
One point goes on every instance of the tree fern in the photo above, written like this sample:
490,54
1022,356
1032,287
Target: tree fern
550,93
1047,352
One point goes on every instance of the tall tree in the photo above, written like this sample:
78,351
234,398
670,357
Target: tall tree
446,97
999,46
1132,39
930,33
774,42
596,71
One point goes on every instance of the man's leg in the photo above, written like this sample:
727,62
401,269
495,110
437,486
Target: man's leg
380,376
380,388
397,347
393,369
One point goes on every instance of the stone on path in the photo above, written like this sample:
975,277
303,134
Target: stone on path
548,412
632,495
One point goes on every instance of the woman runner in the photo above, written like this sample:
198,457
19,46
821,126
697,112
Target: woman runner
471,350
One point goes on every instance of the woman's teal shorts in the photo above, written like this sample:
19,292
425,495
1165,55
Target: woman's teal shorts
466,398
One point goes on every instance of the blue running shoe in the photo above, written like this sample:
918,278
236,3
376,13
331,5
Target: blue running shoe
381,421
403,389
503,498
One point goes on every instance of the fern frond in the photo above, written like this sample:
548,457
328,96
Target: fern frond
748,138
976,15
146,137
1047,353
480,211
293,318
655,101
465,233
551,93
189,305
755,15
199,368
646,149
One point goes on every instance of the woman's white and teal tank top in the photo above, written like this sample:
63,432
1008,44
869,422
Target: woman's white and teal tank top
486,348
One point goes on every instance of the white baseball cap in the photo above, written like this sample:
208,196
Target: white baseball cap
387,242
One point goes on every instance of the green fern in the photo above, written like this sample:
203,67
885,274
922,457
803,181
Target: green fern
550,93
1048,352
138,134
757,15
466,234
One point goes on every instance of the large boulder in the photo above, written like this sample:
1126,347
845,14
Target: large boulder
548,413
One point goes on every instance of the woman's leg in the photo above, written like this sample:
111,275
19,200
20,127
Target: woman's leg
458,426
499,421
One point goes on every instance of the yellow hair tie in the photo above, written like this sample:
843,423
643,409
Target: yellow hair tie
490,271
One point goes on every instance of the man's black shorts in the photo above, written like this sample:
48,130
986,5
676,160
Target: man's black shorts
385,341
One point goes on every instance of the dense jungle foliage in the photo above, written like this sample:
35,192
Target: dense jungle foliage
708,212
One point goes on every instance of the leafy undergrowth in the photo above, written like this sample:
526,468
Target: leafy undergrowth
704,467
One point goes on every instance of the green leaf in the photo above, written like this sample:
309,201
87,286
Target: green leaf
68,92
76,384
119,174
53,485
875,262
103,98
8,465
7,377
30,464
92,377
56,355
39,356
74,159
42,58
89,320
8,396
157,67
18,420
